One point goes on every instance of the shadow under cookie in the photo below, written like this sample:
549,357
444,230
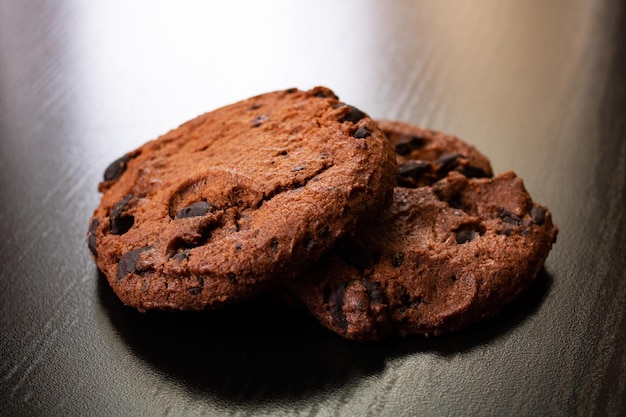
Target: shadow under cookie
262,350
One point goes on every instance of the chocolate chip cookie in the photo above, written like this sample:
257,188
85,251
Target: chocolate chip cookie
237,198
444,255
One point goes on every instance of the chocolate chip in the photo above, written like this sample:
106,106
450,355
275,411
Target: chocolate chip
182,255
403,148
374,292
121,222
469,232
413,169
197,289
199,208
447,161
465,235
353,115
507,231
417,142
527,231
538,215
510,218
323,93
258,120
356,255
128,262
473,172
397,259
291,90
117,168
336,306
91,236
361,132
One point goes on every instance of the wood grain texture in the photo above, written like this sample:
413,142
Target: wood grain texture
539,87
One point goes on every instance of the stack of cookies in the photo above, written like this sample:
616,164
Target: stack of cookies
379,228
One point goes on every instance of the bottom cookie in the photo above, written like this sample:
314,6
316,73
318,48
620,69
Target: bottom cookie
441,258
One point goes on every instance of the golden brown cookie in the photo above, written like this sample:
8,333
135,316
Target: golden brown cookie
229,202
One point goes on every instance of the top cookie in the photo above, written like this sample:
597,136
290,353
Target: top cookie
214,210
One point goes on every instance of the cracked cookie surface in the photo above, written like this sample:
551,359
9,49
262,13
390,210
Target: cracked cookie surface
450,251
239,197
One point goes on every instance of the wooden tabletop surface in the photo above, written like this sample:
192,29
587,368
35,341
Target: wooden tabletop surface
539,87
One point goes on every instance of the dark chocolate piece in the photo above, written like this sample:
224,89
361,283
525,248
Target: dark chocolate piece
128,262
91,236
115,170
403,148
199,208
120,221
361,132
354,115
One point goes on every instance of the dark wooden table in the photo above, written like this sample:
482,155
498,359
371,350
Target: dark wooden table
540,87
